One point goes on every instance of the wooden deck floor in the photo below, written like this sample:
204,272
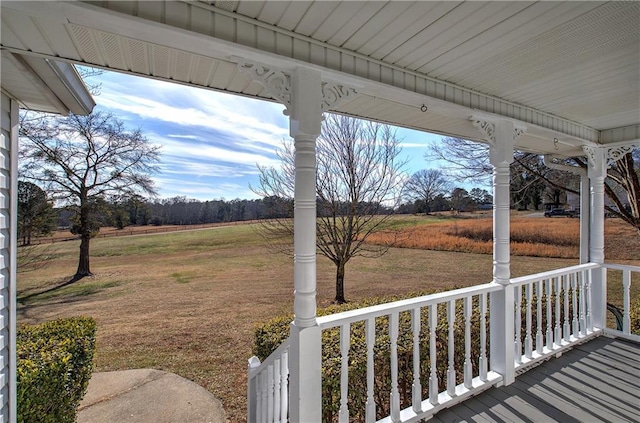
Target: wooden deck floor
598,381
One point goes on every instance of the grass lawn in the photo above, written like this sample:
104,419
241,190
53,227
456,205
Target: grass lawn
187,302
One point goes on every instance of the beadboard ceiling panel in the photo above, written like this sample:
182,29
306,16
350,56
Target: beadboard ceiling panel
568,70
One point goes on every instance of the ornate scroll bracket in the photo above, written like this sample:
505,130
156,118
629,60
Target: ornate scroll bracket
611,154
333,95
278,84
488,129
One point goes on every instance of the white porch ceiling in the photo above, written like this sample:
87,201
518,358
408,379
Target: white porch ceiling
567,70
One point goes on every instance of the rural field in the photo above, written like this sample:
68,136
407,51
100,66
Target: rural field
187,302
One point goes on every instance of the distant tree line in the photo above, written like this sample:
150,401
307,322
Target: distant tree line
38,217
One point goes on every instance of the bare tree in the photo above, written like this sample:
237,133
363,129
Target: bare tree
467,161
470,161
426,185
359,181
82,159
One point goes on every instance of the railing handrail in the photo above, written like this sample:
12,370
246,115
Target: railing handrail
277,353
616,266
522,280
352,316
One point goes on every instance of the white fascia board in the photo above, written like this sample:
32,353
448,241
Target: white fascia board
91,16
63,80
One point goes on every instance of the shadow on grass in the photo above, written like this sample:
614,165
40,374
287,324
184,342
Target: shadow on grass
66,292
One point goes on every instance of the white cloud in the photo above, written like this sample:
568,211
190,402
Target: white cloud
211,141
215,154
186,137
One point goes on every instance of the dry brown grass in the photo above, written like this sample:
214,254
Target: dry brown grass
188,302
530,236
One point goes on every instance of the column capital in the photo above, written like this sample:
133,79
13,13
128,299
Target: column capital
611,154
501,135
279,84
489,126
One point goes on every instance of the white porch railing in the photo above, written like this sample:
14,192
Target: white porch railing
627,274
552,312
423,317
415,357
268,387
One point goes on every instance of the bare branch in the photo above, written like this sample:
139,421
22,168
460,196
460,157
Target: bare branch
359,181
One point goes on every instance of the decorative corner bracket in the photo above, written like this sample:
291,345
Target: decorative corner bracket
611,154
488,129
333,95
278,84
275,81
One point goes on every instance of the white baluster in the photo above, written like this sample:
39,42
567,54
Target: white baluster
258,384
468,366
270,389
587,286
528,340
395,394
451,370
517,311
557,336
345,343
416,388
483,338
263,395
277,380
539,338
626,298
582,305
284,388
548,294
370,414
433,375
576,312
566,330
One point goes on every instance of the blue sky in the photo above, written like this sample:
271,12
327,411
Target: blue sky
211,142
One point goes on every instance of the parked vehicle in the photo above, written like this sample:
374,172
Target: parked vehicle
558,212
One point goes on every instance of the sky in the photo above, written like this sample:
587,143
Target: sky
212,142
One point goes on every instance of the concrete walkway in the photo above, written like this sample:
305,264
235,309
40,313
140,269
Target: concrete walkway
146,396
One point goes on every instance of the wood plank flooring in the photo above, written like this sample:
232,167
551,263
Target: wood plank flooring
598,381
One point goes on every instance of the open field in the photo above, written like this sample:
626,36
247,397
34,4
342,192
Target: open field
187,302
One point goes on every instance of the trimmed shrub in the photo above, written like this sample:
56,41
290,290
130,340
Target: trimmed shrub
270,335
634,313
55,361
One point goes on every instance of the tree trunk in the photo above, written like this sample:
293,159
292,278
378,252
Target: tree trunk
85,239
83,261
340,283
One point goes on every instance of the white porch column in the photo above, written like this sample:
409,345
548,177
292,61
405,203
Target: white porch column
305,395
8,235
306,97
597,173
585,213
501,136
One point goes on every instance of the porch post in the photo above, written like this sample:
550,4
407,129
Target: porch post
8,254
305,396
501,135
597,172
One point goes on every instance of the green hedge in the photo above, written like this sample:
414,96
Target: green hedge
270,335
635,316
55,361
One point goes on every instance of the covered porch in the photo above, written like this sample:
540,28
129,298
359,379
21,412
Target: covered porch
555,78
